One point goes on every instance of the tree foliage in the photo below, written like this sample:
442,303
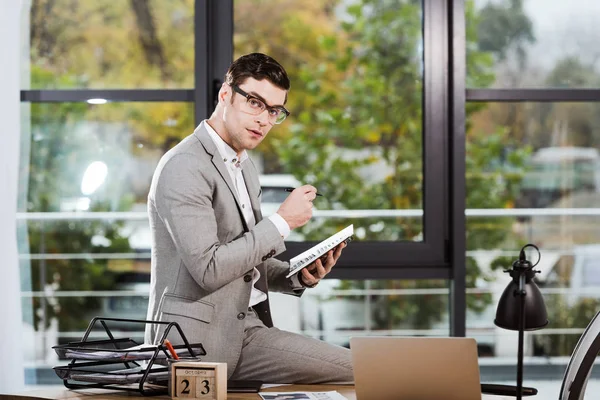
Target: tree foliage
53,174
101,44
360,141
504,28
355,131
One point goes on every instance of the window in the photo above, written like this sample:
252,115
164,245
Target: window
109,89
354,131
536,43
360,124
106,44
531,128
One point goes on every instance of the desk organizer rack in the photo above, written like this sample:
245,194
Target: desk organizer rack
122,363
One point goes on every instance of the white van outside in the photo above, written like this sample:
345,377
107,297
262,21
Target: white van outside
555,172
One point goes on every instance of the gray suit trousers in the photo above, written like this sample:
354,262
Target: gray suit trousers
275,356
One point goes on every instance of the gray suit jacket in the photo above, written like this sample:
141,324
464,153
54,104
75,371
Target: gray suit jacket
203,253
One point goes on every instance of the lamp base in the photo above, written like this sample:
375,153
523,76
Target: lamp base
506,390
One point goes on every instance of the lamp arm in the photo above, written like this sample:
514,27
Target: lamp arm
506,390
521,293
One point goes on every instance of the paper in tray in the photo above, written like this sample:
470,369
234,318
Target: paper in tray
96,345
121,363
127,350
157,375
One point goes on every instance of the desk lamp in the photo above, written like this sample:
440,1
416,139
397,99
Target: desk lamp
521,306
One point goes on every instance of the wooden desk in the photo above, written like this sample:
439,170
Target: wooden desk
63,393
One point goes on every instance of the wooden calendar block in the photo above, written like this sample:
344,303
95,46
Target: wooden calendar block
186,387
199,380
204,388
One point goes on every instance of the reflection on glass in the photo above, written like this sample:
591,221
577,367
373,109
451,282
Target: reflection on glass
93,177
540,156
533,43
336,310
84,256
98,157
111,44
355,129
81,157
572,311
533,176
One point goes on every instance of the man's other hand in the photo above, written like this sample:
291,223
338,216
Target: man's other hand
316,271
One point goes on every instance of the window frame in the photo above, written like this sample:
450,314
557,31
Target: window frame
428,259
441,254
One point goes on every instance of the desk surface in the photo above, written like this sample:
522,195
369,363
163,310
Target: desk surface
64,393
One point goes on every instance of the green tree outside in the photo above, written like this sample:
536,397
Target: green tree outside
376,105
357,87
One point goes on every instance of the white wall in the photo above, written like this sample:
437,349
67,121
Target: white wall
11,359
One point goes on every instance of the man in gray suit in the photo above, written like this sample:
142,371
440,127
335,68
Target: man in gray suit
212,251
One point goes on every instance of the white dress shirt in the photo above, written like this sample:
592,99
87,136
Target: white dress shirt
233,162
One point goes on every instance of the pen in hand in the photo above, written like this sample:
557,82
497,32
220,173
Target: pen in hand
291,189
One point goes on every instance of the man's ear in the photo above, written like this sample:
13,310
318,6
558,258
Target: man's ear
224,91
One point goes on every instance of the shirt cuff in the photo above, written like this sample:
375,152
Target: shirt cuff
281,225
295,282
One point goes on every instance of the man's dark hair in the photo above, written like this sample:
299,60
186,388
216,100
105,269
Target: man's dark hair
258,66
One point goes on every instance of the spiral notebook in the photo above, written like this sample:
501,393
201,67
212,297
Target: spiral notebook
309,256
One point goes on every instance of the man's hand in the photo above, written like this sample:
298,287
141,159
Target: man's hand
297,208
316,271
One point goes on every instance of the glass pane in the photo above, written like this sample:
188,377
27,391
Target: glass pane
532,44
110,44
540,156
78,287
336,310
82,157
533,176
78,157
355,131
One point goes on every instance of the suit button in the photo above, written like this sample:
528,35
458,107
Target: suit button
247,278
264,258
241,316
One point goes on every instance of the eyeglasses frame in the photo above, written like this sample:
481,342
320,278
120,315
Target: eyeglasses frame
248,96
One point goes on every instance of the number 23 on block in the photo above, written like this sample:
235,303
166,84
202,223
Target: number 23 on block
199,380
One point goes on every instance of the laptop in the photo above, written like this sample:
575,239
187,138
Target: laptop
415,368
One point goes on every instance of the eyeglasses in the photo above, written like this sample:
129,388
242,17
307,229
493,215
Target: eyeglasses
256,106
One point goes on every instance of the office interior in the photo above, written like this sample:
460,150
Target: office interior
449,132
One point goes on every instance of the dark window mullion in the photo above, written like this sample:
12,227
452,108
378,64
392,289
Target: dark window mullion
533,95
435,129
457,188
112,95
376,254
201,98
213,52
397,273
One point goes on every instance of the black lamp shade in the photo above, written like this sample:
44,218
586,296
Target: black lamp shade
507,314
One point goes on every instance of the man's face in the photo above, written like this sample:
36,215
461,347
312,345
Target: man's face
243,130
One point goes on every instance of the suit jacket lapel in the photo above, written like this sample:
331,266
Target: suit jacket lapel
253,186
211,149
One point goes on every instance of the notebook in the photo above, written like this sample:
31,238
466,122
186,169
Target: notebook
415,368
307,257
